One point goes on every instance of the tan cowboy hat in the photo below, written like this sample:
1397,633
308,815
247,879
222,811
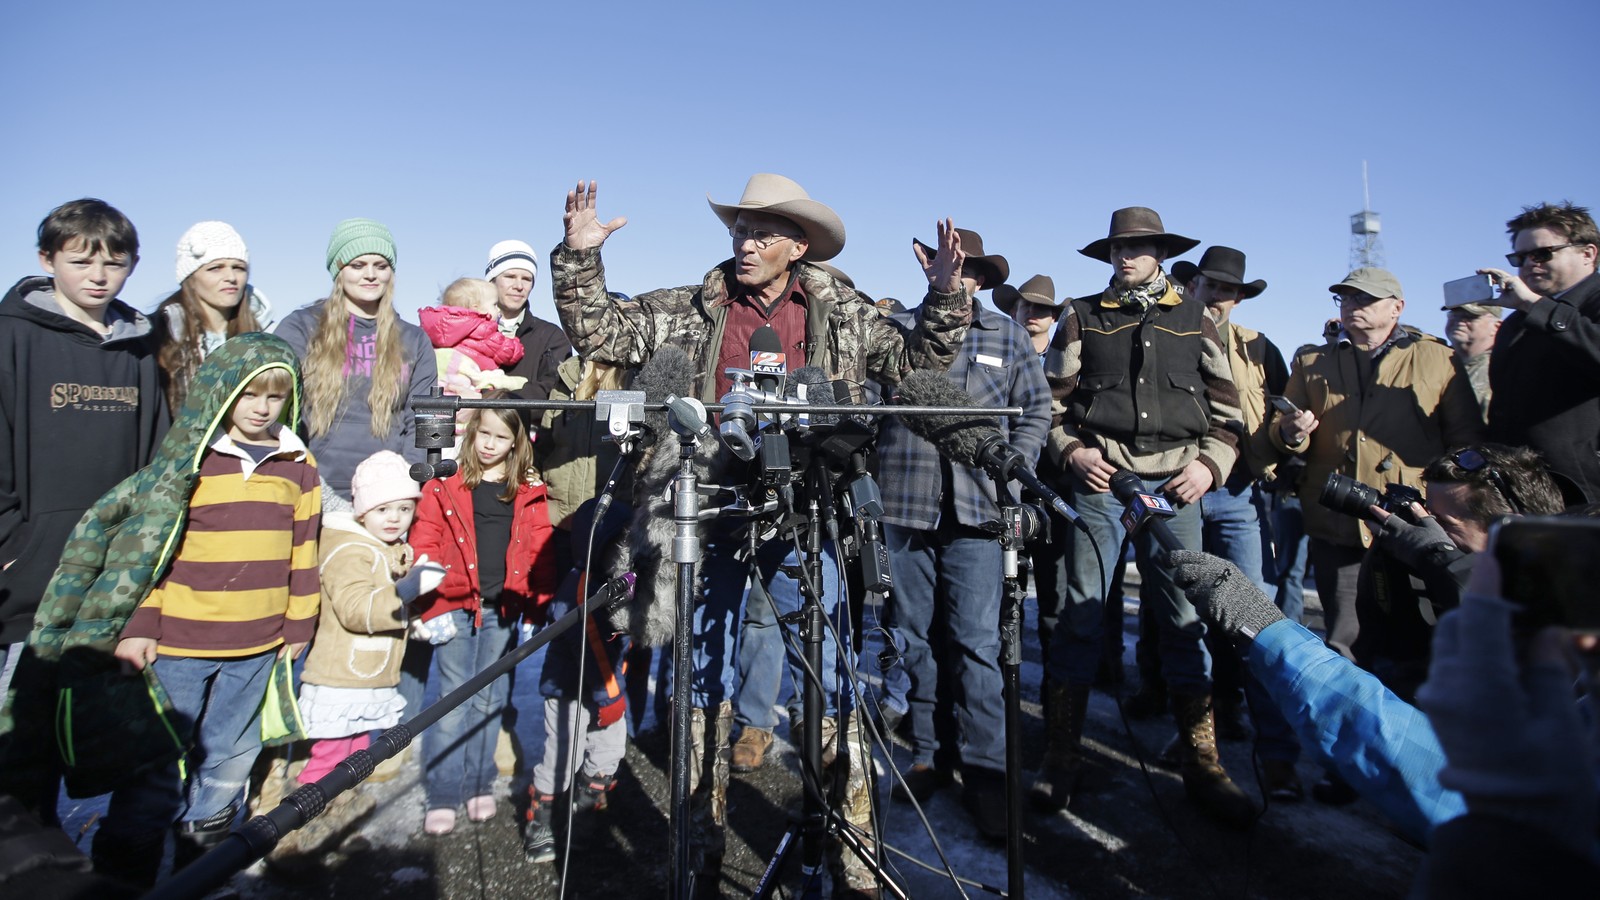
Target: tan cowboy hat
1223,264
992,271
1039,290
1139,222
780,196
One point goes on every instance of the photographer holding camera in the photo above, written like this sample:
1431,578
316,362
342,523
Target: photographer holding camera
1378,402
1423,554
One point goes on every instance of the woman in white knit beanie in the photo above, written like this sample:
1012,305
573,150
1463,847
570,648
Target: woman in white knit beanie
214,301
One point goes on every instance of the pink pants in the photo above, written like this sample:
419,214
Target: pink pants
329,752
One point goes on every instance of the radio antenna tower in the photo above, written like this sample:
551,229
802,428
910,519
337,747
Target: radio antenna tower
1366,247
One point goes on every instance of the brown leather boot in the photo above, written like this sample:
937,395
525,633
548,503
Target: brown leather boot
1204,779
750,750
1063,762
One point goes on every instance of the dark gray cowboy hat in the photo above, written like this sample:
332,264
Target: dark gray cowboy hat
1223,264
1139,223
991,271
1039,290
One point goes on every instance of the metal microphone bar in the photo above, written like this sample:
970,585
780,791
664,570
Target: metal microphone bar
451,404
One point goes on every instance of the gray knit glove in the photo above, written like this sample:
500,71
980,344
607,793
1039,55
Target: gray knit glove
1222,593
1420,546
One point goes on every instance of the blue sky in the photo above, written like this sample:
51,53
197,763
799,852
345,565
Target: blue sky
459,125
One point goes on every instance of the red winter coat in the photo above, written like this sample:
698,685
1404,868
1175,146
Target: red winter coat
446,532
471,332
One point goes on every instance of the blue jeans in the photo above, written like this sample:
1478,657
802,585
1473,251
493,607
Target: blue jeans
946,604
1232,518
763,649
1075,648
459,749
223,698
1289,531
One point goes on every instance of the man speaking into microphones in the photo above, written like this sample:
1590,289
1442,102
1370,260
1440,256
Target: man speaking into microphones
946,567
1145,396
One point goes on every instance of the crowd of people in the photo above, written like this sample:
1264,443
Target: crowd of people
216,560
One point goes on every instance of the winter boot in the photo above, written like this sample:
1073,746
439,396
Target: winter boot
193,839
710,748
592,792
1204,779
539,839
1063,760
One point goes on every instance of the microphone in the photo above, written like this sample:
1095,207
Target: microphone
972,440
812,386
767,360
1145,510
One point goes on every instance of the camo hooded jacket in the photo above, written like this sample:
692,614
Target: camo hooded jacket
106,725
846,336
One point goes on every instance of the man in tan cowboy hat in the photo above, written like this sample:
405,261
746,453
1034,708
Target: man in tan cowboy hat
1034,306
1471,329
947,567
1141,384
778,235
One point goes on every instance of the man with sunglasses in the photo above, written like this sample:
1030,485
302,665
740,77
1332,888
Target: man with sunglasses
1545,367
1378,402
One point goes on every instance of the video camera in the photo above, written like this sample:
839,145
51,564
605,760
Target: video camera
1346,495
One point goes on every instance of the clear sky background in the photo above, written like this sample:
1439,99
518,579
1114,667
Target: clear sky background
461,124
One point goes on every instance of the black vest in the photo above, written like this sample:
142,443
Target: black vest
1140,382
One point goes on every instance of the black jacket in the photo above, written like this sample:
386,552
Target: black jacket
1545,376
78,414
544,347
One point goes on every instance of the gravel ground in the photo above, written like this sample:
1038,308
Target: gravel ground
1138,837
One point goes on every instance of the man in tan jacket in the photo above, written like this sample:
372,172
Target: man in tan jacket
1378,402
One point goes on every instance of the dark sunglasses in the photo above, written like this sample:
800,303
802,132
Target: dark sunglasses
1469,460
1536,255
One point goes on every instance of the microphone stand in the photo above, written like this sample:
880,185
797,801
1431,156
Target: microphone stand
686,553
1013,536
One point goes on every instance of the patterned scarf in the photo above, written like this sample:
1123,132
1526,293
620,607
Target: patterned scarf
1142,295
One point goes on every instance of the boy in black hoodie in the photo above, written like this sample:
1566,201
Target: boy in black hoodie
80,399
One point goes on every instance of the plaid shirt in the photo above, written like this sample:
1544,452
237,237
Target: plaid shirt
997,365
1383,747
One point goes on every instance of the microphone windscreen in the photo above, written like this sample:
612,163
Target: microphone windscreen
818,391
953,434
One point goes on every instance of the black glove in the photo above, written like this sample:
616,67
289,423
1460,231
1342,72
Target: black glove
1422,546
1222,593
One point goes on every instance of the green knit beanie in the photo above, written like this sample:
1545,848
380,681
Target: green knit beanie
358,237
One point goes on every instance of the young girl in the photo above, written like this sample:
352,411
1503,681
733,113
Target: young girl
488,526
362,365
469,348
214,301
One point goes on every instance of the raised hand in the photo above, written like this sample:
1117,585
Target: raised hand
584,228
944,270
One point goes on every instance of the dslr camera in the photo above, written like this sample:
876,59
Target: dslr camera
1346,495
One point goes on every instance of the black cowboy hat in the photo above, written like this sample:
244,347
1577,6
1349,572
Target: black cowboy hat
991,271
1223,264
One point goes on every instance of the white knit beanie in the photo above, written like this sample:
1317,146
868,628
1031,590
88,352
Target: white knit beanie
510,255
208,241
383,477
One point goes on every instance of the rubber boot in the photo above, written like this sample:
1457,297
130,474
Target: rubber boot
1204,780
1063,758
539,840
193,839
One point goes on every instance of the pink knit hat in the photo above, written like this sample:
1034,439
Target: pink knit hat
383,477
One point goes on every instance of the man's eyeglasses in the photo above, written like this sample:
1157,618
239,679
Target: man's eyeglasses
1536,255
1469,460
763,239
1355,298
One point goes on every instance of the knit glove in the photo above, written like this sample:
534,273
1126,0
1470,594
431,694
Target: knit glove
436,631
1513,741
1222,593
1422,546
425,576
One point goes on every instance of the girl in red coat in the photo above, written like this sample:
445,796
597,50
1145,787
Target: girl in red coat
487,525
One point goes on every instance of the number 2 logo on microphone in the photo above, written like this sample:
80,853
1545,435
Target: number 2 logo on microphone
768,362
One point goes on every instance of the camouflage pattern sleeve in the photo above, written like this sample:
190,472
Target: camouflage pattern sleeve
932,343
601,327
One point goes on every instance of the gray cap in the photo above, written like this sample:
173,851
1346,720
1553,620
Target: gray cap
1474,310
1372,281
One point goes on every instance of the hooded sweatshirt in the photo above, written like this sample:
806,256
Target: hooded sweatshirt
78,413
350,440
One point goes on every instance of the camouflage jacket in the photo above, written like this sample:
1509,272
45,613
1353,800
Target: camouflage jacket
845,334
68,694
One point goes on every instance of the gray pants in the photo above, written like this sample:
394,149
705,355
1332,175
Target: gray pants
601,749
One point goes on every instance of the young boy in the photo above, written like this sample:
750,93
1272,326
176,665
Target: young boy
82,397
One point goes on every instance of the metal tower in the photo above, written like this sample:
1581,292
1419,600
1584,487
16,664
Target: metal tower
1366,247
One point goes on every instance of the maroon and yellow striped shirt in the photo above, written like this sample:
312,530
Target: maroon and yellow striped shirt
244,579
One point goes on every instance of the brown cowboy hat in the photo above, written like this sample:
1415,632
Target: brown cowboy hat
991,271
1223,264
780,196
1039,290
1139,222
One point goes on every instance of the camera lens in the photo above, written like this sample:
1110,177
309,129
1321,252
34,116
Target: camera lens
1348,496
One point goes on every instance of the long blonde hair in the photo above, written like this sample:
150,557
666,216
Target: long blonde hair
328,356
597,377
519,462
